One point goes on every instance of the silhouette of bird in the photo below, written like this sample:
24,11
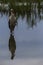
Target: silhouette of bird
12,21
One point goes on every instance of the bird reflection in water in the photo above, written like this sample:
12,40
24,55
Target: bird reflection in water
12,46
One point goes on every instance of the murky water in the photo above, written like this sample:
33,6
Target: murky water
27,38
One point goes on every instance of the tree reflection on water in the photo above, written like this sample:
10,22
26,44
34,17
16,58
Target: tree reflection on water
33,11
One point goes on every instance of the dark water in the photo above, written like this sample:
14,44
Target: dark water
27,40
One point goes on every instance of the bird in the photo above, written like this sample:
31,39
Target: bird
12,21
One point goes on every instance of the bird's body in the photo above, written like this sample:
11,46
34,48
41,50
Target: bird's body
12,18
12,22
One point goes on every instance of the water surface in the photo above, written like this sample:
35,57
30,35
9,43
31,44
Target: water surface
28,39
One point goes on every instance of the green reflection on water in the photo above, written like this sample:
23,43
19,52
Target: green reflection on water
31,10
